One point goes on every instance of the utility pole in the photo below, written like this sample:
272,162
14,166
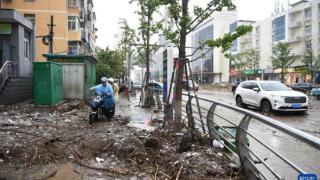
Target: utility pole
51,34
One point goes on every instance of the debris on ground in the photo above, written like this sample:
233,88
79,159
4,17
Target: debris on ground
58,143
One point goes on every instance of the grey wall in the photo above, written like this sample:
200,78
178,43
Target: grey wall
23,66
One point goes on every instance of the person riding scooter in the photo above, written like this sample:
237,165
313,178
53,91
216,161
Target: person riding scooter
105,100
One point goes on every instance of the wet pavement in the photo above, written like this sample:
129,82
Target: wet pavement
309,123
297,152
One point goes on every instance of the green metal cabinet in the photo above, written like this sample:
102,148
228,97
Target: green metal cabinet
47,83
73,69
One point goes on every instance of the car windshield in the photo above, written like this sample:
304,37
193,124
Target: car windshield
273,86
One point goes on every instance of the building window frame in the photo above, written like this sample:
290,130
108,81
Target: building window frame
72,23
309,45
278,29
72,48
26,49
73,3
30,17
308,13
308,30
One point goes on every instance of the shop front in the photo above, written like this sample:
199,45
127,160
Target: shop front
236,76
294,74
253,74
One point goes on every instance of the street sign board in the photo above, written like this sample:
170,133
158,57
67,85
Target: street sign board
165,75
5,28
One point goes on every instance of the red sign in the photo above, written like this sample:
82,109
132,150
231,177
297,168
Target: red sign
234,72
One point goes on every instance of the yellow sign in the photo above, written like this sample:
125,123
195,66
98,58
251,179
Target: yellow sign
285,70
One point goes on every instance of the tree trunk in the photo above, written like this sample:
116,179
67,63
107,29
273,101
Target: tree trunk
179,77
148,95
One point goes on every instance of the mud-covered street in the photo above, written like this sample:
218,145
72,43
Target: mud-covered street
58,143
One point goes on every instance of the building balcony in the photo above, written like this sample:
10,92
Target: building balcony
298,53
294,11
295,39
84,36
295,24
307,22
308,36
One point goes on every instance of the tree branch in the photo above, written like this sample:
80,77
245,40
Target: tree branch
200,56
199,22
194,52
200,15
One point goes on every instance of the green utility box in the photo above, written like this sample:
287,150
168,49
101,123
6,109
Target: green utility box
47,83
79,74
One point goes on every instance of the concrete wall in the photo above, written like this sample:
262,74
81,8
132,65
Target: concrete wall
221,24
265,43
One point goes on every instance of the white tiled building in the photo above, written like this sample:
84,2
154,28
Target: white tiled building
299,26
214,67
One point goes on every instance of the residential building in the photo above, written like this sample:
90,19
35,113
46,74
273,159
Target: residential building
298,26
240,50
74,30
213,67
16,57
163,58
16,42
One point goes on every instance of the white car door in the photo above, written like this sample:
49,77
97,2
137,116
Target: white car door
254,96
245,93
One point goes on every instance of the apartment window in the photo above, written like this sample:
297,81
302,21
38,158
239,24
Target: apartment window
278,29
234,44
308,30
307,13
72,22
308,45
72,3
30,17
27,45
72,48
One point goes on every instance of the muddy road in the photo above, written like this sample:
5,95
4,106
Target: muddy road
58,143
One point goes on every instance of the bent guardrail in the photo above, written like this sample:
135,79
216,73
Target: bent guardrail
266,148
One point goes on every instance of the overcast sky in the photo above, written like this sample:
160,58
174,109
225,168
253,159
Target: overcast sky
109,11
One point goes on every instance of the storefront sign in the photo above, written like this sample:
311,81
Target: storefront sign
300,68
268,70
5,28
252,72
66,60
285,70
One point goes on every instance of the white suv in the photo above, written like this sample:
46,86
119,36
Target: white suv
270,95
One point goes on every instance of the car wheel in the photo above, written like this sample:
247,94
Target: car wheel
266,107
239,102
318,97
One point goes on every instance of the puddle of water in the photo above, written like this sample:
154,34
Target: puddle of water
139,116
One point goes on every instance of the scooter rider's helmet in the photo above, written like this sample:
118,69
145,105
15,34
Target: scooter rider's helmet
104,80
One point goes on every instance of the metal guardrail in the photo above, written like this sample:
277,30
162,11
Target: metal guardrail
5,72
245,146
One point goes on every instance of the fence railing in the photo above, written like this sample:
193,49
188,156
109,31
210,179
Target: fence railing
5,72
262,147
